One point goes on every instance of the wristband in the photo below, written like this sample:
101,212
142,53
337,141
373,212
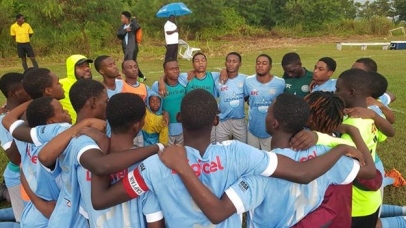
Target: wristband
161,146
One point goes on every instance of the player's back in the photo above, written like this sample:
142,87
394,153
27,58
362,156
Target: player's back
218,168
283,203
69,209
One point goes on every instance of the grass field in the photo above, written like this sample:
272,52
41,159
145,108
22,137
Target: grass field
390,63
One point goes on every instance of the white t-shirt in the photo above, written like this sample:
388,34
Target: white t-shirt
174,37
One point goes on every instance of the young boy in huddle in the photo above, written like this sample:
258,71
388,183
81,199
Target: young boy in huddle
13,91
155,129
323,70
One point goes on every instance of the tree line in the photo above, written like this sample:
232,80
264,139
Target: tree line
83,26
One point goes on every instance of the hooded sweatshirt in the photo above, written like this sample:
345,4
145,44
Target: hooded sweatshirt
154,130
68,82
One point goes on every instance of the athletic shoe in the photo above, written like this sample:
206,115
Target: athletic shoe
397,176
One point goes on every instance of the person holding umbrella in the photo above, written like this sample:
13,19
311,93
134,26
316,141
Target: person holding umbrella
171,39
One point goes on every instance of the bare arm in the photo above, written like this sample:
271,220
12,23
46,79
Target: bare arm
381,123
12,154
157,224
100,164
105,195
389,115
14,115
305,172
45,207
52,150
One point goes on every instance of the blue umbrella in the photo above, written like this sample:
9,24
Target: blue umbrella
176,9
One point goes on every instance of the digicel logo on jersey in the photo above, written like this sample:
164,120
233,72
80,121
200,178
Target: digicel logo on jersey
206,167
311,156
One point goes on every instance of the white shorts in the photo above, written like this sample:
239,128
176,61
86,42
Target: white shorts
175,139
262,144
232,129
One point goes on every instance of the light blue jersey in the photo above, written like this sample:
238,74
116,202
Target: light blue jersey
279,203
207,83
385,99
128,214
171,104
260,97
69,209
12,171
118,89
220,166
42,181
328,86
231,98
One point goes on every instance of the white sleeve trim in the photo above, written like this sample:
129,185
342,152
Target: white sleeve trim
273,163
236,200
15,125
353,174
7,145
84,149
389,98
153,217
34,137
83,212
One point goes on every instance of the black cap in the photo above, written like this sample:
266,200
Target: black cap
84,60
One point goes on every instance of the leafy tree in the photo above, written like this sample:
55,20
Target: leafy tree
400,9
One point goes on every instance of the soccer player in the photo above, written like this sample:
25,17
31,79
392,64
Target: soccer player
42,82
260,90
125,113
171,102
279,203
231,102
354,86
130,71
41,111
77,68
76,156
369,65
13,91
218,166
323,70
297,78
108,69
22,32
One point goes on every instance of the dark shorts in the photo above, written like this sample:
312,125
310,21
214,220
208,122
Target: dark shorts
24,50
365,221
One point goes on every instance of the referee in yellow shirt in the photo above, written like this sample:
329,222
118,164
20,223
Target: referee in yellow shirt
22,32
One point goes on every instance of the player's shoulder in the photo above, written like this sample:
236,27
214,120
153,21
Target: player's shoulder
251,77
152,165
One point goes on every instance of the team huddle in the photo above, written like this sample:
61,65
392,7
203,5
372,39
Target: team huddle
182,153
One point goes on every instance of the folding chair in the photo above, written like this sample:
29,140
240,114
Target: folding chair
185,51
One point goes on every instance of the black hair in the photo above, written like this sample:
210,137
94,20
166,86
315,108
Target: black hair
99,60
291,112
236,54
126,14
124,110
379,84
330,62
39,111
36,81
326,111
83,90
28,70
357,79
18,16
289,58
10,81
122,63
167,61
369,64
198,53
198,110
266,56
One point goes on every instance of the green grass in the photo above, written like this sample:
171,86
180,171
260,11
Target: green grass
390,63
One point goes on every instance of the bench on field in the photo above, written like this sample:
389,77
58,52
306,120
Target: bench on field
364,45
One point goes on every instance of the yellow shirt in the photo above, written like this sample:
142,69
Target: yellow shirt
22,33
